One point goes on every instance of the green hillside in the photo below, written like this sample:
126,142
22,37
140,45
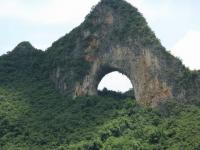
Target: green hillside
34,116
41,119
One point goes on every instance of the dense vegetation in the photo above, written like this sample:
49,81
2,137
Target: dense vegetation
35,116
117,95
41,119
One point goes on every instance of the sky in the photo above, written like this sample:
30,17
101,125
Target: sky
175,23
115,81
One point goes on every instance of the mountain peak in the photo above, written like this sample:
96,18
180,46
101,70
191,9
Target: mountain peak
112,1
24,45
116,4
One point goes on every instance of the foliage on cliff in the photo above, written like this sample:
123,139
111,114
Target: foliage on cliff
35,116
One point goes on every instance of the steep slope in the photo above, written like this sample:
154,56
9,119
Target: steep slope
116,37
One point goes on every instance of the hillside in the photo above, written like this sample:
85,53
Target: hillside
34,116
49,99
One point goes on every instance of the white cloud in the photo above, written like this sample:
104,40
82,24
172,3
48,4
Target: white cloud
188,49
151,10
65,11
7,8
53,11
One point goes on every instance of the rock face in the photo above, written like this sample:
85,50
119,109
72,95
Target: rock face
115,37
142,69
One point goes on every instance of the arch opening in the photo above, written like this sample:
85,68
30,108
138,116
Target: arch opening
115,83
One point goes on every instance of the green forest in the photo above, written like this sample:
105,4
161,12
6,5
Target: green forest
41,119
34,116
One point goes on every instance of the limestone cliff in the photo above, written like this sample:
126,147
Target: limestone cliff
116,37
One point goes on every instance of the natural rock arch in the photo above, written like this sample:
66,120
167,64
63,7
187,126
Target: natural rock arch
143,71
115,36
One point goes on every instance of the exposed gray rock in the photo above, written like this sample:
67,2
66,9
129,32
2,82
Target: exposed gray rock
115,37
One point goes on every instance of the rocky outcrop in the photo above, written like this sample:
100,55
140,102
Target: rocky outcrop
143,71
115,37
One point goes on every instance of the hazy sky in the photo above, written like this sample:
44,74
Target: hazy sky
175,22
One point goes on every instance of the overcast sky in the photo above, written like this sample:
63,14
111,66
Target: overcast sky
175,22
